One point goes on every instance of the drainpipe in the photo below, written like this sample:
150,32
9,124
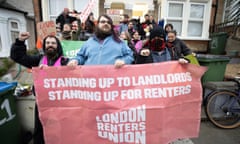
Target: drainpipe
37,5
215,15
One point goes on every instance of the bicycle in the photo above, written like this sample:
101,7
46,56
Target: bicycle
223,107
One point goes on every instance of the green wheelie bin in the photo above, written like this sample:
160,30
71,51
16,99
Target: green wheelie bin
9,124
216,65
218,43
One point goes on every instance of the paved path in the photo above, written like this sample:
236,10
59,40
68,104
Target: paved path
183,141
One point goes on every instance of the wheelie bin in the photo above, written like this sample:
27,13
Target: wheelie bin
9,124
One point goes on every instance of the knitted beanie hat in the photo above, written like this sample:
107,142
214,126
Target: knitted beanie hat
157,32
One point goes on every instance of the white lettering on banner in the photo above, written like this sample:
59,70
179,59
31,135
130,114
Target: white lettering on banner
110,95
131,94
166,92
5,105
154,79
70,82
72,53
74,94
104,89
105,82
125,126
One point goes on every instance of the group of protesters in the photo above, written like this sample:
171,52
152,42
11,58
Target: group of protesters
151,42
105,44
148,41
70,27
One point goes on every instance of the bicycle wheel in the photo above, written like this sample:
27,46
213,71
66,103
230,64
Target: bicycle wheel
219,109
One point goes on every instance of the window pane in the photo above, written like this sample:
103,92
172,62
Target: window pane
175,10
197,11
80,5
177,25
56,6
195,28
14,25
52,7
14,35
14,29
53,18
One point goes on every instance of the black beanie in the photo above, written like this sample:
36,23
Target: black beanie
157,32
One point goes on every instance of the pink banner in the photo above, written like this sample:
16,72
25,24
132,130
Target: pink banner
153,103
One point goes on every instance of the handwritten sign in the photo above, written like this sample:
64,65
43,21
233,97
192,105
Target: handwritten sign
46,28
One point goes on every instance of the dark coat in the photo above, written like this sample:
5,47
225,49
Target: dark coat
19,54
178,49
89,26
154,57
144,59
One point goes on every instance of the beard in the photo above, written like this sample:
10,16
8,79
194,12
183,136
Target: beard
102,34
51,52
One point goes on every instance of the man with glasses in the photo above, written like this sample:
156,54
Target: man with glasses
104,48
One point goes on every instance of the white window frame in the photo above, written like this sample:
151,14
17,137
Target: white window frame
186,17
11,29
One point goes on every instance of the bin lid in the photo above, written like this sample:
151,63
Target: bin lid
5,86
221,85
212,58
218,34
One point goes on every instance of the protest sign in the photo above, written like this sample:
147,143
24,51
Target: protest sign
87,10
46,28
150,103
70,48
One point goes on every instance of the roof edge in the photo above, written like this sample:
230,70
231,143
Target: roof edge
7,6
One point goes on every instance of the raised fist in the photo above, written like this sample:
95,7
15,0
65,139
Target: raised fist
23,36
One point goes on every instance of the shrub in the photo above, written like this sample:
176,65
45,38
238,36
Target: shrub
5,63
